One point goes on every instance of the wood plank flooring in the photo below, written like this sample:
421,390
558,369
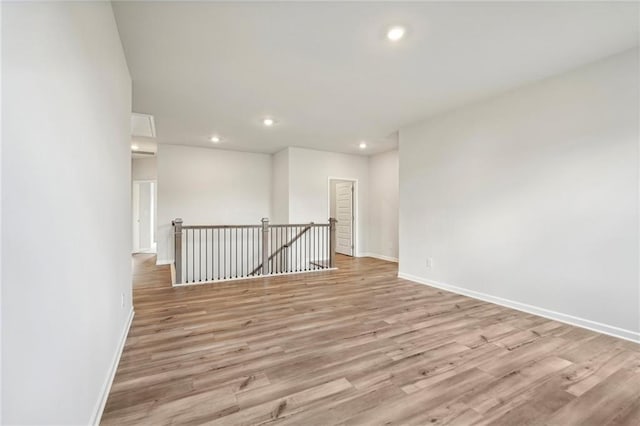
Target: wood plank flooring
358,346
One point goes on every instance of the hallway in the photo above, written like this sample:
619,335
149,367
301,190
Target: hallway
147,274
358,346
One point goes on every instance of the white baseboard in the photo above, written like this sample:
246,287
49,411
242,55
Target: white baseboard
106,388
379,256
557,316
253,277
164,261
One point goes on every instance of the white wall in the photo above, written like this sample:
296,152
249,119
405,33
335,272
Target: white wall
209,186
144,168
66,229
532,197
1,340
280,187
309,172
383,202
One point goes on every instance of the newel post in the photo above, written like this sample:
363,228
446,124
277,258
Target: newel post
265,246
177,248
332,242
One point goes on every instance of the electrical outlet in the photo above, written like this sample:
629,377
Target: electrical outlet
429,263
122,300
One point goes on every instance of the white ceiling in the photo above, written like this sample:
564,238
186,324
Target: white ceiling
326,72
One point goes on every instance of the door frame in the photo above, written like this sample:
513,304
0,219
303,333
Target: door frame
356,221
134,228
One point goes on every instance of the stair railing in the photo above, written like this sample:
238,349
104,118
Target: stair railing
209,253
282,248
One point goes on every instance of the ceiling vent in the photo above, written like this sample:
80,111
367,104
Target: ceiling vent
143,125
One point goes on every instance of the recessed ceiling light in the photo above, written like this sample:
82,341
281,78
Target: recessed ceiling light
215,139
363,145
134,147
395,33
268,122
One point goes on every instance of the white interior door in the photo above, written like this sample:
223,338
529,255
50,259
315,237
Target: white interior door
143,216
344,214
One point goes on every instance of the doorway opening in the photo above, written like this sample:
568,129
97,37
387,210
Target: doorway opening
144,216
342,206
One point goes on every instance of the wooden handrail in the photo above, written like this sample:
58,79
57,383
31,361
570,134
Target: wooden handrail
221,226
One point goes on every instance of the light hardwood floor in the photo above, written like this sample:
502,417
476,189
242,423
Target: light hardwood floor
358,346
